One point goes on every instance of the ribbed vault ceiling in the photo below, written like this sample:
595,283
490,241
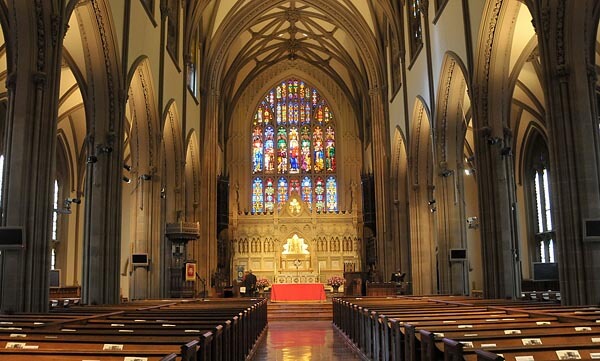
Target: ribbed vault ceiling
333,35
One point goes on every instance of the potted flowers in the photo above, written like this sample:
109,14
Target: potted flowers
335,282
261,283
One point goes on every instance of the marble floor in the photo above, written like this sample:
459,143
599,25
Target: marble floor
303,341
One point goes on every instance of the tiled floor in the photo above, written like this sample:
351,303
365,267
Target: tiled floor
303,341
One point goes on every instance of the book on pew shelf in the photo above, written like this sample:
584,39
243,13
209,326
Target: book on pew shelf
595,355
568,355
531,341
112,347
524,358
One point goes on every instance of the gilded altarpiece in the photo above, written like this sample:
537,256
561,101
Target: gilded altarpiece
295,244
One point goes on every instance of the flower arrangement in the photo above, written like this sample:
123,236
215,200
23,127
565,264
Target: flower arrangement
262,283
335,281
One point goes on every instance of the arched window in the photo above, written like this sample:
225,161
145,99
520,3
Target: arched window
539,183
1,176
545,228
415,30
293,149
55,213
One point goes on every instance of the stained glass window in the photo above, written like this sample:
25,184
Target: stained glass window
257,195
414,24
294,137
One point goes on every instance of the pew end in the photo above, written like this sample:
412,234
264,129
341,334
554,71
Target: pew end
483,355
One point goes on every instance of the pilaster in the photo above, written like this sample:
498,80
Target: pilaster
566,32
36,44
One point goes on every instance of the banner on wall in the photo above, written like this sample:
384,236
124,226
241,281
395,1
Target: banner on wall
190,271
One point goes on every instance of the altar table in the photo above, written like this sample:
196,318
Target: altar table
297,292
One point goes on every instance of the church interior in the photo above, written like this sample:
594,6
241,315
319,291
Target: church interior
159,149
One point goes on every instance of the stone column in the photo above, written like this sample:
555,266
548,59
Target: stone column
380,138
34,60
567,36
495,165
206,247
104,147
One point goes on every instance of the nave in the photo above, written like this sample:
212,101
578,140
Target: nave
303,341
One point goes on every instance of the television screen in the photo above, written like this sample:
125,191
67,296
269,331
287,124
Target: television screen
545,271
11,237
458,254
54,279
139,259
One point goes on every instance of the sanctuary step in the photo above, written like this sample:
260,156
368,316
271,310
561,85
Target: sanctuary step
315,311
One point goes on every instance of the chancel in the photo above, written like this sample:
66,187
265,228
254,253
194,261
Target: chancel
156,150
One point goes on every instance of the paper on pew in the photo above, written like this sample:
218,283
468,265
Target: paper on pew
539,323
135,358
583,328
12,335
524,358
531,341
512,332
15,345
595,355
568,355
112,347
595,339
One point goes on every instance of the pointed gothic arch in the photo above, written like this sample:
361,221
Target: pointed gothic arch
450,129
146,161
173,161
422,202
192,177
400,258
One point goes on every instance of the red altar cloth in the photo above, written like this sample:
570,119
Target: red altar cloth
297,292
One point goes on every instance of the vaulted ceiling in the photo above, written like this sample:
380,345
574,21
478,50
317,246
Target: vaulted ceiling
343,38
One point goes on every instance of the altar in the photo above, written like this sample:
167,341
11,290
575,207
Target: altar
297,292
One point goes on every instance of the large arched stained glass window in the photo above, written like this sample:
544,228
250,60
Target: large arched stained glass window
293,144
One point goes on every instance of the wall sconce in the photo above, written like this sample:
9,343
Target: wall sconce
446,173
432,207
126,179
493,140
163,193
92,159
472,222
105,148
67,205
127,167
145,177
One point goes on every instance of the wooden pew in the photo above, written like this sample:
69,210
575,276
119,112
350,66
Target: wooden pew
221,331
457,350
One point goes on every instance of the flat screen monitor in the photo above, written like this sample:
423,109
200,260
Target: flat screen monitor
12,237
54,278
545,271
458,254
139,259
591,230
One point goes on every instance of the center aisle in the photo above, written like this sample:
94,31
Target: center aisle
303,341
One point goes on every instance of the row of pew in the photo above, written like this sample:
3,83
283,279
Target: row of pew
168,330
456,328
